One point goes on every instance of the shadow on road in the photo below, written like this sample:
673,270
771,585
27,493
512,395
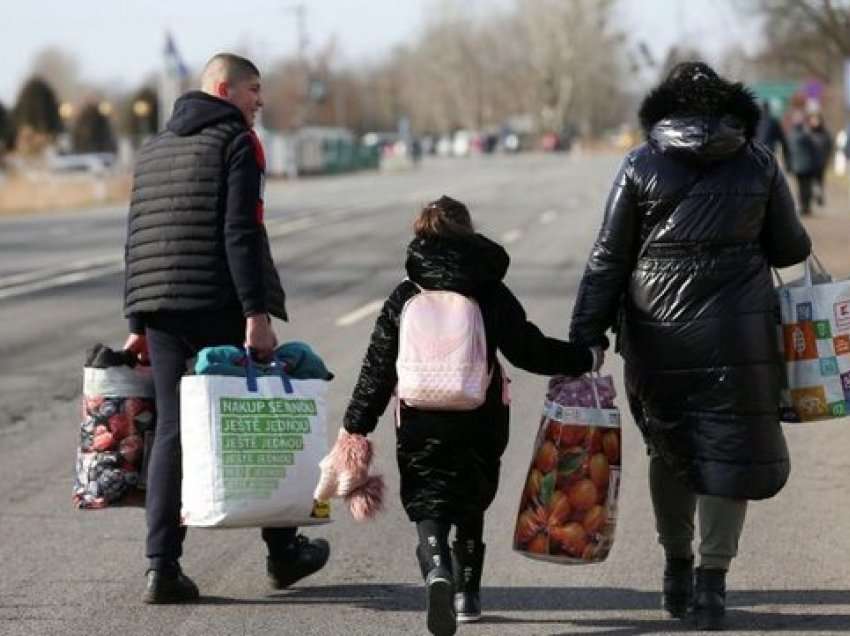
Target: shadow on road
738,621
409,598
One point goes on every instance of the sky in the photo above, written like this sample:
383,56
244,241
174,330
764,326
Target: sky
120,43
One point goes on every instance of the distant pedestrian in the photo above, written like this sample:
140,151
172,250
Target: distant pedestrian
416,151
822,139
696,218
448,457
769,132
805,162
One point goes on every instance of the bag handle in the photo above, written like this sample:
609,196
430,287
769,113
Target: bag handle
251,373
595,375
814,260
812,263
277,365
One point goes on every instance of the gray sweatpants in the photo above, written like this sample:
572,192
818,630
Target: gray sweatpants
721,519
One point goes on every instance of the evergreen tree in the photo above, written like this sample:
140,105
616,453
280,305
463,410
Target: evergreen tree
7,130
37,108
141,113
92,132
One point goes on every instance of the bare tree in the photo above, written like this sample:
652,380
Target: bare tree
807,36
59,69
557,61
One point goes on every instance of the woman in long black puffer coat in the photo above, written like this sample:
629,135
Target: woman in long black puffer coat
698,318
449,460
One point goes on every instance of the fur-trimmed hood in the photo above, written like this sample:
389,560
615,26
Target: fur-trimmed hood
712,97
709,118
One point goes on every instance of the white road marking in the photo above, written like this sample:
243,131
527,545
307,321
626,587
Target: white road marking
276,229
52,272
360,313
111,263
511,236
60,281
548,217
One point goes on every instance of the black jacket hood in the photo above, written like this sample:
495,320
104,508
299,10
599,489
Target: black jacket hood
709,119
463,265
704,139
196,110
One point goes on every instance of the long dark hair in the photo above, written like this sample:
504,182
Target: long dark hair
445,217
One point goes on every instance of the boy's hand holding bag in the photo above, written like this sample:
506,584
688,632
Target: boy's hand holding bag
345,474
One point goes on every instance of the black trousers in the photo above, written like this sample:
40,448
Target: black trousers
173,338
805,187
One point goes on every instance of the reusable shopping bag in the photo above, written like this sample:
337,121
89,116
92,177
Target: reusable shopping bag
568,509
251,449
815,345
119,415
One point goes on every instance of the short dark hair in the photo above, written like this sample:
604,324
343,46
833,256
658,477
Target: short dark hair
237,68
445,217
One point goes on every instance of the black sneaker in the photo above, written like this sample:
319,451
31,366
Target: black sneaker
303,558
169,586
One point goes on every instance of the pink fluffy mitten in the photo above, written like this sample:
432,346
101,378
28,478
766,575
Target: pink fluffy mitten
345,474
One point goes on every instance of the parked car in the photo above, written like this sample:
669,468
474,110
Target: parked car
94,162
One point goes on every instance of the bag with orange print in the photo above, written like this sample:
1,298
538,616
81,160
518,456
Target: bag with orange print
568,509
815,345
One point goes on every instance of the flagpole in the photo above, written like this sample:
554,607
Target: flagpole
171,79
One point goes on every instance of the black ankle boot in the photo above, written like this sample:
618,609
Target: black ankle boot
439,589
467,563
710,599
678,587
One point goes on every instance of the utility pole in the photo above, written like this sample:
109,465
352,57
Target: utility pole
300,11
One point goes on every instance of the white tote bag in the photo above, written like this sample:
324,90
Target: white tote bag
815,343
251,450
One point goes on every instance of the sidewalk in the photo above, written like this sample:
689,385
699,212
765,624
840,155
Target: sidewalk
829,228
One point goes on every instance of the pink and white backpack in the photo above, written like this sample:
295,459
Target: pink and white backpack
442,352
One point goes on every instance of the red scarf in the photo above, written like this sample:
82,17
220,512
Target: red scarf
260,156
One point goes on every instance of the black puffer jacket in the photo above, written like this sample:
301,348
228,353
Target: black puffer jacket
449,461
699,335
195,234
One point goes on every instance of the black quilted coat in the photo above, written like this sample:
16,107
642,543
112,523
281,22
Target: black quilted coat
449,461
699,321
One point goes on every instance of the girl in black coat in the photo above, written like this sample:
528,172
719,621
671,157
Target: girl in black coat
699,317
449,460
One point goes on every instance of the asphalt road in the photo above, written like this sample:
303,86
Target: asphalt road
339,243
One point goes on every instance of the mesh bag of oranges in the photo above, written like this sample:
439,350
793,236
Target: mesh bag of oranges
568,508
